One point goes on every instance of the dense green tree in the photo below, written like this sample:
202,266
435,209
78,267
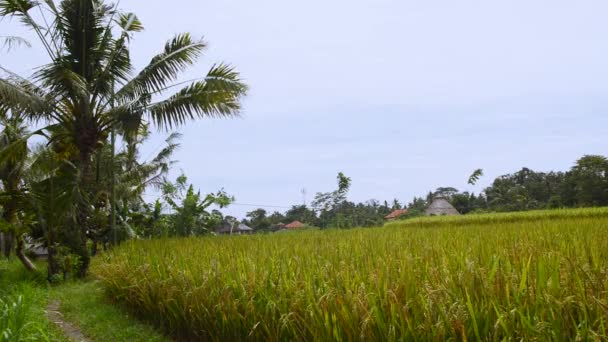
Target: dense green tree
301,213
589,180
258,220
446,192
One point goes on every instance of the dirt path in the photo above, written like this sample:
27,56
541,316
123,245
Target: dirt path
71,331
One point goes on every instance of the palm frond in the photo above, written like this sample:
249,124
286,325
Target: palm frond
20,9
10,42
130,23
180,53
61,81
83,24
218,95
22,97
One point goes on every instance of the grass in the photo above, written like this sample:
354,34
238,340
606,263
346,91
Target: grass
84,304
25,296
23,300
540,276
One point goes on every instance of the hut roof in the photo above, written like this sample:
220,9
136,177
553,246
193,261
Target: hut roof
294,225
227,228
395,214
441,206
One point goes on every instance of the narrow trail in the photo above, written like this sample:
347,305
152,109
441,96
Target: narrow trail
71,331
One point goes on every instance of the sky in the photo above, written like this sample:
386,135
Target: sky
402,96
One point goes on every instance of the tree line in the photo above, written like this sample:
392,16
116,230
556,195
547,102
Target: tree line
584,185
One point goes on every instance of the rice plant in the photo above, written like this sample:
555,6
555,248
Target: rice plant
541,276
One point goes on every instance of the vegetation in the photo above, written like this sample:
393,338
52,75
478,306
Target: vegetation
23,299
584,185
531,276
87,96
84,304
78,190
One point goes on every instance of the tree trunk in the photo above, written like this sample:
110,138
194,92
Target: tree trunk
8,244
20,252
79,246
52,265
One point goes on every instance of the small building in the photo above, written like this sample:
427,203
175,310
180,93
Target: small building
441,207
395,214
237,229
295,225
277,227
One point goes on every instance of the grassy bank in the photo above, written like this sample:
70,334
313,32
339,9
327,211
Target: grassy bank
527,276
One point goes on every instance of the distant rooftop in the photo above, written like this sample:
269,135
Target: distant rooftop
395,214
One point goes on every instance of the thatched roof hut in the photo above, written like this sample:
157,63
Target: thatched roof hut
439,207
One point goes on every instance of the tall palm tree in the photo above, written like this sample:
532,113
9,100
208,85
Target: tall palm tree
88,88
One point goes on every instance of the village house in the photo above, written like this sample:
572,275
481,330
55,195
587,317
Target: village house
395,214
226,228
295,225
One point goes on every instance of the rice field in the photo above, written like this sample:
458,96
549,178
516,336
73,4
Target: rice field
540,275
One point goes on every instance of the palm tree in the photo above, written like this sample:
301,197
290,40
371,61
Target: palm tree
88,89
13,166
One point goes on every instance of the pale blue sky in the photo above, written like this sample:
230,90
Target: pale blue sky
402,96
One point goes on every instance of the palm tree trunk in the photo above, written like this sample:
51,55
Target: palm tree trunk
52,265
20,252
8,244
79,245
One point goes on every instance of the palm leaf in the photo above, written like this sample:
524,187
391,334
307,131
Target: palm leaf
10,42
21,97
217,96
180,53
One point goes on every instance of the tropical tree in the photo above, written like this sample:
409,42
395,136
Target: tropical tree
191,214
88,90
13,165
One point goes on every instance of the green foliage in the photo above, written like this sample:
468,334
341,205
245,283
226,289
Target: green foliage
258,220
23,300
329,200
88,92
183,212
474,177
300,213
523,276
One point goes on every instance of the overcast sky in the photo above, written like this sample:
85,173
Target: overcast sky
402,96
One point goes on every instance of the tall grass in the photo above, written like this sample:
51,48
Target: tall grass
21,315
486,278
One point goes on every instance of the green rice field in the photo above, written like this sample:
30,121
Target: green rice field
533,276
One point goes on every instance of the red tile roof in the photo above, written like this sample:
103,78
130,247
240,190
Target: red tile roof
396,214
294,225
